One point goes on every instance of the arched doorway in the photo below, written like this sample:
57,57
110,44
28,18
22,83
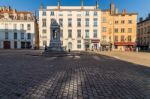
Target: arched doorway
70,45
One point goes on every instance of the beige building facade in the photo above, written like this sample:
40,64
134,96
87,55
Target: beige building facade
143,33
118,29
79,26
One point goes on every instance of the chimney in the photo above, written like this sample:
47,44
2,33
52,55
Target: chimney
81,4
116,10
112,8
124,11
58,4
97,5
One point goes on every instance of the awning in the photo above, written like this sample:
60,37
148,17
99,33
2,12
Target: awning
125,43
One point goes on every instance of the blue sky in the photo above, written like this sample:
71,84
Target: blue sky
138,6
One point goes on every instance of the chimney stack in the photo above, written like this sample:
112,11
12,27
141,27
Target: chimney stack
97,5
58,4
124,11
81,4
112,8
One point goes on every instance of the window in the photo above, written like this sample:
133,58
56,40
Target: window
44,22
95,13
103,29
95,34
122,39
15,36
61,22
79,33
95,22
69,33
52,13
22,35
87,22
116,22
6,26
87,13
130,21
78,41
44,31
116,30
78,22
69,22
70,13
104,19
122,30
129,39
129,30
61,33
15,26
44,13
122,21
86,33
44,43
79,46
28,35
116,38
6,35
28,27
22,26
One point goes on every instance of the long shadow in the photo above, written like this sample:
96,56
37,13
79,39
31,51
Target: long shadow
85,78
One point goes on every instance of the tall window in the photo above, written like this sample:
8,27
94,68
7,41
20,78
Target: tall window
122,30
52,13
69,22
116,22
15,26
87,13
116,38
87,22
15,36
95,34
122,21
79,33
44,43
28,27
95,13
122,38
69,33
22,26
44,31
61,22
104,19
129,39
130,21
44,22
86,33
22,35
44,13
103,29
95,22
6,26
116,30
6,35
129,30
28,35
78,22
61,33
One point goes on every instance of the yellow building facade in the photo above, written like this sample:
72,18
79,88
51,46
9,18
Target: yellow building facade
118,30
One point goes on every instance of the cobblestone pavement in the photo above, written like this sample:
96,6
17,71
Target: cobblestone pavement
27,75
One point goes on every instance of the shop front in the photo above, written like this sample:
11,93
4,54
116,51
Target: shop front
125,46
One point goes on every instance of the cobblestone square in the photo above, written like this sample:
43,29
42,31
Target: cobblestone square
25,74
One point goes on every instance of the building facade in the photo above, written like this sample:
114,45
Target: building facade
17,29
79,26
143,34
118,29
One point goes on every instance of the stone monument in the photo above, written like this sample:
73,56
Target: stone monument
55,42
